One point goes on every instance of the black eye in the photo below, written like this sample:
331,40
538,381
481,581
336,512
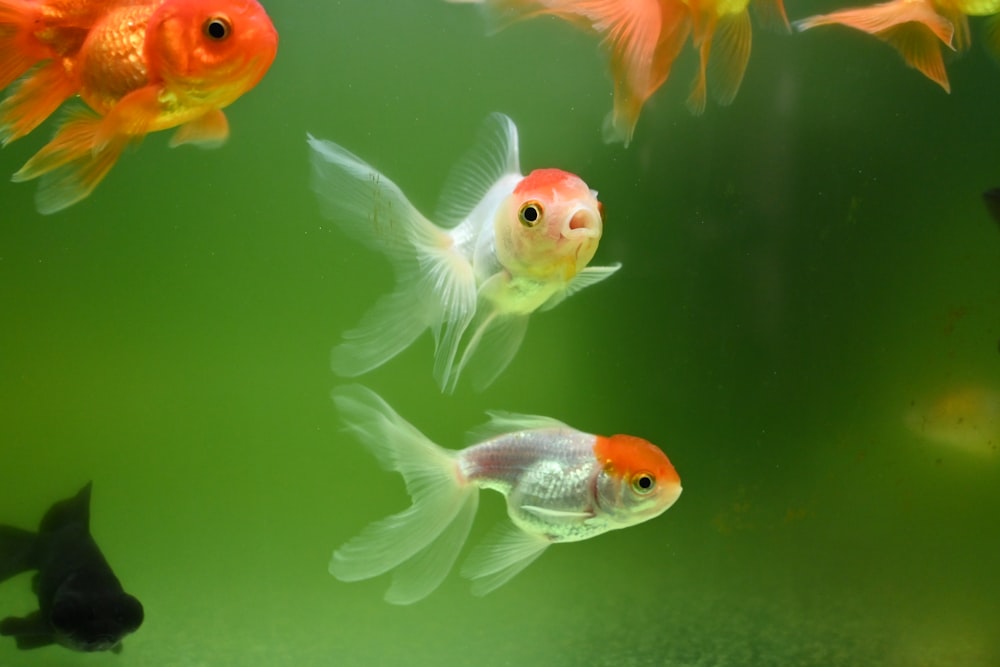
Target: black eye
530,213
643,483
217,28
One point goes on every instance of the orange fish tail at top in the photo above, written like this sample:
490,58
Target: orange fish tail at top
913,27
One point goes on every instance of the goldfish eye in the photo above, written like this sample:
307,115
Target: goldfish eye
530,213
643,483
217,28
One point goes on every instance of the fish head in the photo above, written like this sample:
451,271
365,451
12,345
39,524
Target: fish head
636,481
549,226
92,621
209,52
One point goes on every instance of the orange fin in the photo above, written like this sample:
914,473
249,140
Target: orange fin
730,56
703,34
208,131
36,97
771,14
70,166
879,18
920,50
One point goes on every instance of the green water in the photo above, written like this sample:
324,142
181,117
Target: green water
798,269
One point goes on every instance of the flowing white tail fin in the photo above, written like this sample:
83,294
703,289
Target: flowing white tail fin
421,543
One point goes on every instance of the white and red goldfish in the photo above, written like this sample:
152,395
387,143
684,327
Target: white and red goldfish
507,246
918,28
139,65
644,38
561,485
966,418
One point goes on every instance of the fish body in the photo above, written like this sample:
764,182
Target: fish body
645,37
81,603
560,485
918,29
505,246
140,66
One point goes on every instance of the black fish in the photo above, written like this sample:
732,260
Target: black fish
992,199
81,604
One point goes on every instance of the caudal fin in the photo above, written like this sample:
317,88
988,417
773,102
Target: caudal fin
73,163
420,544
16,551
435,285
912,28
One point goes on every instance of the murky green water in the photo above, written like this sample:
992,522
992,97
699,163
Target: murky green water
799,270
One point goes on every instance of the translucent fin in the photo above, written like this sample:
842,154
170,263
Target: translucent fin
504,553
591,275
494,342
436,287
631,93
493,156
419,576
881,17
207,131
730,55
557,514
699,88
16,548
771,14
391,326
920,50
34,100
442,509
502,13
502,423
73,163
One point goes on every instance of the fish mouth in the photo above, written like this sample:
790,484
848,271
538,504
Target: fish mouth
584,222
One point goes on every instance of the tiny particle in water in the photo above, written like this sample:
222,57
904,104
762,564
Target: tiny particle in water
992,199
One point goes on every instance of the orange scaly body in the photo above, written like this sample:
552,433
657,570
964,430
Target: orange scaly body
140,66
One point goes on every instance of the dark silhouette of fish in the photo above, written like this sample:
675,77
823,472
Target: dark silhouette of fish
992,199
81,603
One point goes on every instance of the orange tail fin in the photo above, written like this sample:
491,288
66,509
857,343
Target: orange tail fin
724,51
73,163
35,99
909,26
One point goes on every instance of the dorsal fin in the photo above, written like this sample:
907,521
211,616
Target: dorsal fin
68,511
502,422
493,155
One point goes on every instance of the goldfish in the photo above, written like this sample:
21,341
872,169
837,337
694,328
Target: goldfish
645,37
966,418
505,245
917,29
140,66
560,484
81,603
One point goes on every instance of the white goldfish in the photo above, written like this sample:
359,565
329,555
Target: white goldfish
506,245
561,485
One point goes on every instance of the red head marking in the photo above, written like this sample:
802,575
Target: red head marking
625,455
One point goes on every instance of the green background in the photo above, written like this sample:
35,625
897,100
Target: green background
799,268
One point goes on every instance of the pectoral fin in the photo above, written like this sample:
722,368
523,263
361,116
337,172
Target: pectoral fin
207,131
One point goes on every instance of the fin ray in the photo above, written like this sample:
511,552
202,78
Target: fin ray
503,554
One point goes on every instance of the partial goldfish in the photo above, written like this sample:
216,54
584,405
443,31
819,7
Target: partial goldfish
917,29
561,485
644,38
506,245
139,65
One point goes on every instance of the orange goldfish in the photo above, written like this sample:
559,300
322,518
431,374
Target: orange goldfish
503,246
918,28
644,37
140,65
561,485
